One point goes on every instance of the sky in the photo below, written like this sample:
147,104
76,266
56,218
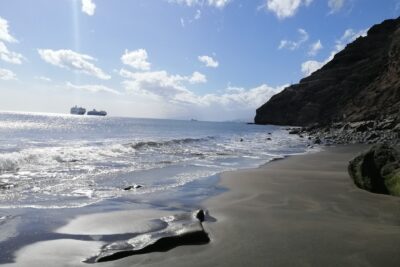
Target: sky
181,59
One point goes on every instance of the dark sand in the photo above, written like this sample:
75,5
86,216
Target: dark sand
301,211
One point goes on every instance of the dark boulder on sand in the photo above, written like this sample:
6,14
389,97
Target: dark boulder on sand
377,170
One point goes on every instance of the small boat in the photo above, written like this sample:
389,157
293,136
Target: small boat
78,110
97,112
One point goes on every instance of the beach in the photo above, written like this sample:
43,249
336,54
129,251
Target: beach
300,211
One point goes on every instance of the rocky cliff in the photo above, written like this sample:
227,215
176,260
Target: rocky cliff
361,83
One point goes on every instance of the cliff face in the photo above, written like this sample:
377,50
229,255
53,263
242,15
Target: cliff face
362,82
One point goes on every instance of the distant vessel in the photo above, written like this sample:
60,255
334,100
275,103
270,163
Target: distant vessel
97,113
78,110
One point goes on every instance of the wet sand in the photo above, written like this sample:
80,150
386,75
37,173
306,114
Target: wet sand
300,211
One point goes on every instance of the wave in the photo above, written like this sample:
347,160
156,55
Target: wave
74,154
145,144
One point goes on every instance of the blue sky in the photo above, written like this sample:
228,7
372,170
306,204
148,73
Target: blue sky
204,59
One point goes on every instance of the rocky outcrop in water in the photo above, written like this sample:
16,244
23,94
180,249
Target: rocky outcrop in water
361,83
377,170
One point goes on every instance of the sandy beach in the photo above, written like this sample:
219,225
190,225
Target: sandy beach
300,211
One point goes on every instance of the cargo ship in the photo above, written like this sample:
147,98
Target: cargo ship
97,112
78,110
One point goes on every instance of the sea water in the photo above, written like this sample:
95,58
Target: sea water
50,161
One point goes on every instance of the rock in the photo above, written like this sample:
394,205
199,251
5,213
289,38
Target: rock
372,136
294,131
269,139
6,186
361,83
200,215
397,128
134,186
317,141
377,170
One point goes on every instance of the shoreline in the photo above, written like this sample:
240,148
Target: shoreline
300,211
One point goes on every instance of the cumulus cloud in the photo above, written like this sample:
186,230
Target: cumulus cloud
311,66
348,36
212,3
165,88
7,75
4,32
208,61
197,77
335,5
88,7
10,56
136,59
71,60
5,36
93,88
160,83
286,8
315,48
293,45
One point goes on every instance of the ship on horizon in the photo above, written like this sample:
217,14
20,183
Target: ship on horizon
97,112
78,110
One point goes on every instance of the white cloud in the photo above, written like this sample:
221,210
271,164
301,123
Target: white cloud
136,59
7,75
218,3
293,45
182,23
93,88
43,78
9,56
88,7
213,3
5,36
155,83
163,88
197,77
315,48
198,14
335,5
4,33
311,66
71,60
286,8
209,61
348,36
160,83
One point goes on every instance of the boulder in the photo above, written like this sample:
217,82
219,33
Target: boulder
377,170
134,186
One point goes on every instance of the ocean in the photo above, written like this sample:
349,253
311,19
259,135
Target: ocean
50,161
56,168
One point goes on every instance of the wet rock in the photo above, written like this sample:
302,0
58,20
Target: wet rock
131,187
294,131
377,170
317,141
6,186
269,139
200,215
